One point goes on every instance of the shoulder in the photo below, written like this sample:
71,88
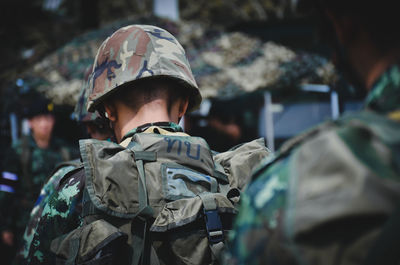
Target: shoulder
366,137
60,172
73,178
327,159
61,214
64,200
361,142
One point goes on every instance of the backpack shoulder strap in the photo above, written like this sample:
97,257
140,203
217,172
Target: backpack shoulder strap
213,223
140,235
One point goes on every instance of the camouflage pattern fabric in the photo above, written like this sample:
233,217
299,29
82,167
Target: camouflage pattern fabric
136,52
327,193
62,213
37,210
39,166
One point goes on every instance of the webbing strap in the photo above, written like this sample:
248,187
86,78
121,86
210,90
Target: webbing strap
208,201
216,250
140,241
212,219
146,156
143,203
140,157
213,224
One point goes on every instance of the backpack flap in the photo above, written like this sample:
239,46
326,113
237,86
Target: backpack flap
189,228
98,241
111,177
181,212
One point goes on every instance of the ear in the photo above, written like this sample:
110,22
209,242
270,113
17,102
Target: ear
183,107
111,112
345,28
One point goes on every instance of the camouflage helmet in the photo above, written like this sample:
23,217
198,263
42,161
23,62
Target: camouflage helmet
136,52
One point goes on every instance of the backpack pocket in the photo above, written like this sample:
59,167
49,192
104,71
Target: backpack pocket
182,230
96,243
180,182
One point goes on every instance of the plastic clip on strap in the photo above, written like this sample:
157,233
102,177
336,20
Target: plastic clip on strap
213,223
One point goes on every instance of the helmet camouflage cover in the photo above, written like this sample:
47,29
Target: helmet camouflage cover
136,52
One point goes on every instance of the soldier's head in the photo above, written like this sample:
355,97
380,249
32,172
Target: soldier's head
363,32
141,74
41,118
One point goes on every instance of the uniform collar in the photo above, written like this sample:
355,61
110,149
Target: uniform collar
169,126
384,96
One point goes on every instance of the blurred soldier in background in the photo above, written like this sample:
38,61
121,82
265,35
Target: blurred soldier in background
26,168
331,195
97,130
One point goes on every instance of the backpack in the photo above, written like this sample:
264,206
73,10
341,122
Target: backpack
161,200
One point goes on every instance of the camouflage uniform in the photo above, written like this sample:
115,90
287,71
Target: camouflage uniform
80,115
62,213
40,204
39,165
325,196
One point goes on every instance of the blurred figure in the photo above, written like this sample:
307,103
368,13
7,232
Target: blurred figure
26,168
331,195
97,130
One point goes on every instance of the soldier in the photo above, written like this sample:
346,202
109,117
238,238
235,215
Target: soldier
97,130
325,197
139,200
27,166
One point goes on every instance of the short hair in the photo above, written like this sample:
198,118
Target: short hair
136,93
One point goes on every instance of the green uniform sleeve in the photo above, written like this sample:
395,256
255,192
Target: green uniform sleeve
60,215
37,211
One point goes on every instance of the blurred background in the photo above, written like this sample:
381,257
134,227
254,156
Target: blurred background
261,69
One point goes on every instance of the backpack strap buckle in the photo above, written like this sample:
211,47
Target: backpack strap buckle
212,220
213,226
